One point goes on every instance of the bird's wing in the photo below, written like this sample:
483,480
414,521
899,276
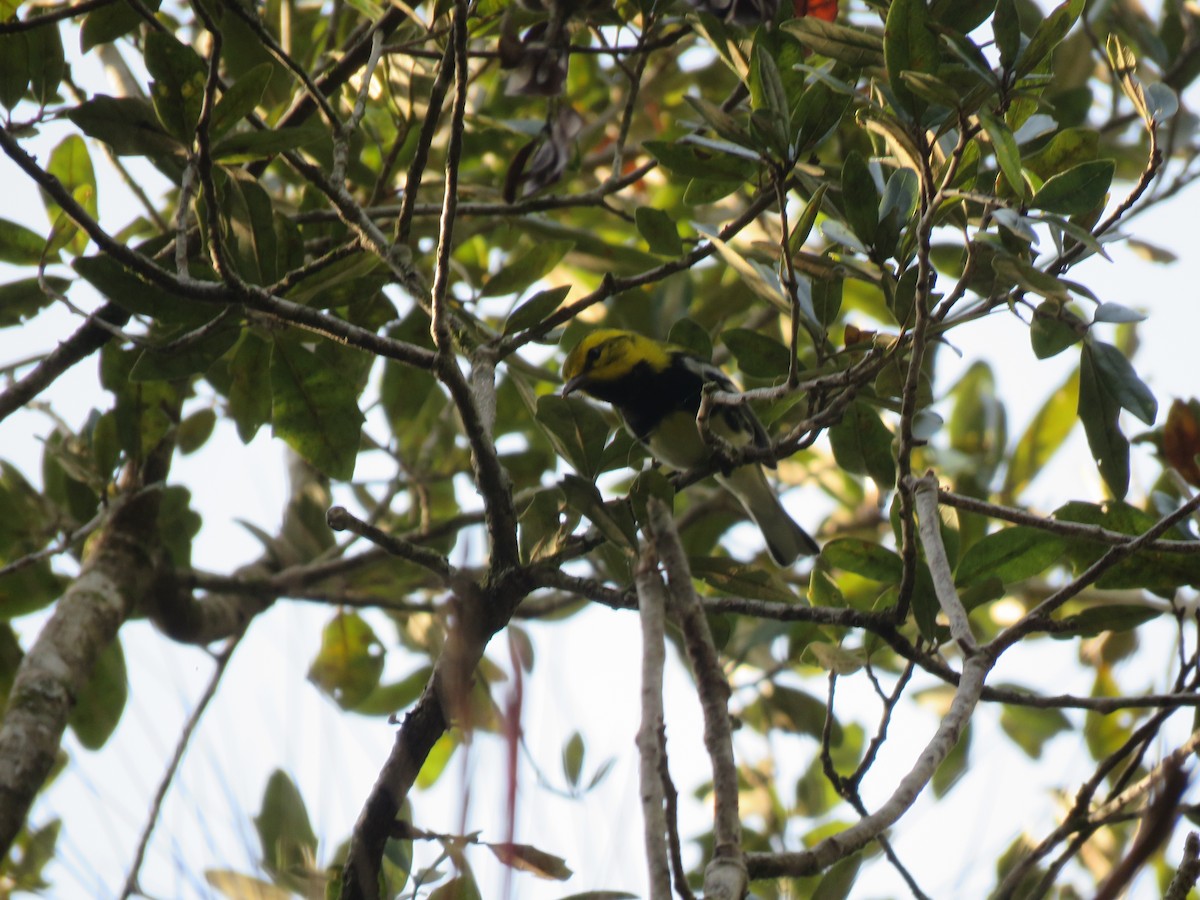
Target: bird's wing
736,424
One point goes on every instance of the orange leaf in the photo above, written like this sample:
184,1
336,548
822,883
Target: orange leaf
826,10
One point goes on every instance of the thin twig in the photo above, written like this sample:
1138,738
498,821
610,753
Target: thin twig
185,738
340,519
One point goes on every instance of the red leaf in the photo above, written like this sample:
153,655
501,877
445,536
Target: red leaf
826,10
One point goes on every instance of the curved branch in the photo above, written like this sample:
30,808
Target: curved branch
90,337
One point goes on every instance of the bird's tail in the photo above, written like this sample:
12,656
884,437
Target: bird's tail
785,539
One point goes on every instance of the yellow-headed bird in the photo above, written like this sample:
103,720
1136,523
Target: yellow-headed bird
657,388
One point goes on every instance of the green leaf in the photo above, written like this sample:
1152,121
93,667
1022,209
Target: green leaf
805,221
760,279
22,300
862,444
896,209
1078,190
1153,570
535,309
1121,381
836,659
242,98
71,164
1017,271
792,710
729,576
860,199
314,408
519,273
179,524
728,127
288,842
350,661
572,758
259,250
1097,619
192,357
99,704
144,410
436,760
909,44
178,87
977,425
1006,27
48,63
650,483
14,67
345,282
658,230
1049,34
838,880
250,385
933,90
129,291
127,124
864,558
247,146
1010,554
36,848
613,520
1099,410
692,336
196,429
461,887
1054,328
1030,728
962,15
107,23
1008,155
757,355
853,46
768,99
838,233
702,191
966,50
1067,149
387,699
540,526
577,430
691,161
1043,437
818,114
28,589
21,246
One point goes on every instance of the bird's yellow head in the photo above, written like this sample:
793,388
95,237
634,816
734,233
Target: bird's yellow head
609,354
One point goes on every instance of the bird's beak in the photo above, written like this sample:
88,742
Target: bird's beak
573,385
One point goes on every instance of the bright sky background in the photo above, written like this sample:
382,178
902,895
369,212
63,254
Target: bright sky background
585,678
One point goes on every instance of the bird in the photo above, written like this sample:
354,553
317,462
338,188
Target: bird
657,389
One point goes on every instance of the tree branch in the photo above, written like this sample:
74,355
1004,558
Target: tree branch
118,569
725,874
652,603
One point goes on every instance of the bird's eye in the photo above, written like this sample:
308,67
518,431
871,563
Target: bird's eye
593,355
